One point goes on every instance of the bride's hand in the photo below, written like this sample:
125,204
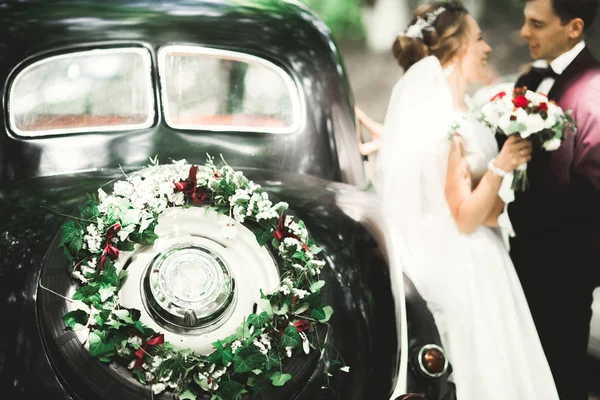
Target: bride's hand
515,152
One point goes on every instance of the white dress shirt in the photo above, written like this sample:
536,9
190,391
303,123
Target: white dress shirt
558,65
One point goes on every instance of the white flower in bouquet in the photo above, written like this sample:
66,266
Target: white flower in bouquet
552,144
534,123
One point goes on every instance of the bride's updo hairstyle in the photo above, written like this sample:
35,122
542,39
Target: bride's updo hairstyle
437,29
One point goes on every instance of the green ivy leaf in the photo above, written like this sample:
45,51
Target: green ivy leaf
262,236
273,359
231,389
187,395
290,338
74,319
123,315
106,291
322,314
89,212
101,317
265,304
248,358
301,307
260,320
315,287
123,274
280,379
100,345
109,275
282,310
126,246
227,356
315,249
114,323
84,292
72,236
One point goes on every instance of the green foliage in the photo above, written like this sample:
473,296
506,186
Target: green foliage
280,379
342,16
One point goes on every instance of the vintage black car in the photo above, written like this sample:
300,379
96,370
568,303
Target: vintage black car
92,90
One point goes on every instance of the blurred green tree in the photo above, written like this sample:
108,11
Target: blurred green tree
342,16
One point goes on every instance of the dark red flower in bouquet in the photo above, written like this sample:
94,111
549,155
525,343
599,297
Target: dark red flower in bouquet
513,117
520,101
543,106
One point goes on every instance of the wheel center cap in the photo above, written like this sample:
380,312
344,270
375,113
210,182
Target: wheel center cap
188,287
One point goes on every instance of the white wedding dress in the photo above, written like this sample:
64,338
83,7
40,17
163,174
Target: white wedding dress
468,281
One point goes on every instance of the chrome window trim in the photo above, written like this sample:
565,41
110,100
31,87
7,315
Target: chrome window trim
147,60
297,96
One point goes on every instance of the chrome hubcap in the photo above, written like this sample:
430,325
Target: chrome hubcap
188,287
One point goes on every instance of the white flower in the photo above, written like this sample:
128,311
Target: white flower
177,198
166,188
491,114
285,290
534,124
123,351
167,377
239,214
123,188
288,351
79,276
550,121
135,341
263,349
552,144
301,293
101,195
235,345
158,388
509,122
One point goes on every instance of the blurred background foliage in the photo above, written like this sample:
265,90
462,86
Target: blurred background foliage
344,17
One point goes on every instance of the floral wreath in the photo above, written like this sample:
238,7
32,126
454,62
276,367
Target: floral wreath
241,363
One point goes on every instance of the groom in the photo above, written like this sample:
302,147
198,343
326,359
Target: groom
556,247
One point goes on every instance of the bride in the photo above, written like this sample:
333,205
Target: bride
439,176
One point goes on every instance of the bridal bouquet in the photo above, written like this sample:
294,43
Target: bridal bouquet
530,115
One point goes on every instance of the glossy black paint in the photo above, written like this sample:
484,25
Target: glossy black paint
284,33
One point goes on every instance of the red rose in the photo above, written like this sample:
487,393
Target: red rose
498,96
520,101
543,106
513,117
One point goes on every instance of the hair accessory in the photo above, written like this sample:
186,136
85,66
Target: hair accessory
422,24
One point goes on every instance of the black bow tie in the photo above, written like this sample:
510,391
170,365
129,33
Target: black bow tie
545,72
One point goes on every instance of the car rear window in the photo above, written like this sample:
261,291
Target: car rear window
94,90
211,89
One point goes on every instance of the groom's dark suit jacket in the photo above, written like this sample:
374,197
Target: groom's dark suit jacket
556,247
